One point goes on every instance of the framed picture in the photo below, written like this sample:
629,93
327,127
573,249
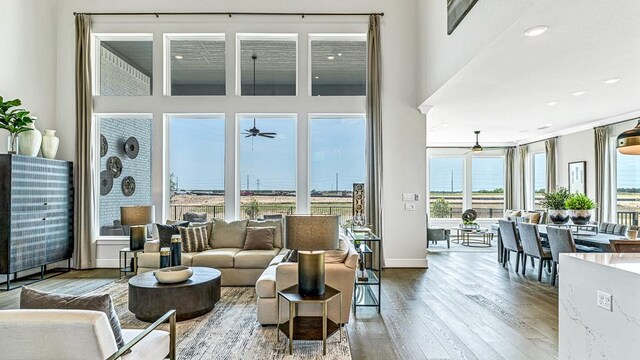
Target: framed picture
578,177
456,11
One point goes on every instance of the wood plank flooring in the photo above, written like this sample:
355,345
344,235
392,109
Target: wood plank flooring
465,306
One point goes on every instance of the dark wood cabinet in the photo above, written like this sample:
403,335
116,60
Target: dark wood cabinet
36,213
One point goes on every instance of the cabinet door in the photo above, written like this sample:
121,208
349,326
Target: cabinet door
59,222
28,241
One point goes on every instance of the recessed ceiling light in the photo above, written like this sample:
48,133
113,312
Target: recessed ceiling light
552,103
611,81
179,57
317,77
579,92
339,54
536,30
331,57
445,124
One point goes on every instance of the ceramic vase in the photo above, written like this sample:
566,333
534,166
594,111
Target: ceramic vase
50,144
558,216
580,217
30,141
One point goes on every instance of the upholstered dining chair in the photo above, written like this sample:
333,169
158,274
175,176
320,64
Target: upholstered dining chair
625,246
532,246
510,241
560,241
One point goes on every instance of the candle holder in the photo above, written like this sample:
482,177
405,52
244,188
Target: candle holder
176,250
165,257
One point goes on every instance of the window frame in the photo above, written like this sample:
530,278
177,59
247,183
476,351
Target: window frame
531,187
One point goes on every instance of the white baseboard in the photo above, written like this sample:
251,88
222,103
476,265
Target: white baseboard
108,263
406,263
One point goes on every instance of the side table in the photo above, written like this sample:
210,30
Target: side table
122,259
308,327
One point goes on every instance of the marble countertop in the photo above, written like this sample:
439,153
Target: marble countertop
622,261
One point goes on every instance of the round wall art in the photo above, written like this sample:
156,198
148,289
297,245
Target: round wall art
131,147
114,165
104,145
128,186
106,182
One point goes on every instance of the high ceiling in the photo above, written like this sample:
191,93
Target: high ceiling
508,89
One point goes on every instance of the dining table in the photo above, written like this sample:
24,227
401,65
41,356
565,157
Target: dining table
600,242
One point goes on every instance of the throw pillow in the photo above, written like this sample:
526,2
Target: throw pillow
35,299
195,217
209,226
259,238
229,234
165,232
512,213
534,217
277,240
194,239
291,256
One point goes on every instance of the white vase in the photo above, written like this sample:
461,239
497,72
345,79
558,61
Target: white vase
50,144
30,141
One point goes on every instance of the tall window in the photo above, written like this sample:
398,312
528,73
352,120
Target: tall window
338,65
487,197
268,65
196,65
124,65
196,165
337,147
267,161
125,175
446,187
539,166
628,188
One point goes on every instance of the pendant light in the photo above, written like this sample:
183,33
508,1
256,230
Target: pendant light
476,147
628,142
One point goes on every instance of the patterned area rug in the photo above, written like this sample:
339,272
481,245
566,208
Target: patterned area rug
230,331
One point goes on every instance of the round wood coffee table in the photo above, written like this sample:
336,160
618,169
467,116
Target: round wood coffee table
149,299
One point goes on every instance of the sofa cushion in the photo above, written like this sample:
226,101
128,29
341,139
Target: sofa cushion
254,259
266,284
194,239
165,232
278,241
35,299
229,234
216,258
152,246
152,260
338,255
259,238
153,346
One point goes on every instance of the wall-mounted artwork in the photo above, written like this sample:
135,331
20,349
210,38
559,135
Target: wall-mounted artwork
578,177
456,11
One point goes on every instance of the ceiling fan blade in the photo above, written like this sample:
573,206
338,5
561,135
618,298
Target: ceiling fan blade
269,133
267,136
248,135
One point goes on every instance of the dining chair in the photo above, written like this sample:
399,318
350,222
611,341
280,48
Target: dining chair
561,241
532,246
625,246
510,241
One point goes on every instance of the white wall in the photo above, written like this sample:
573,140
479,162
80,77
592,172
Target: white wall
578,146
403,127
28,63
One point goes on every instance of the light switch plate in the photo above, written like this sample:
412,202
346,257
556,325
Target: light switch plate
603,300
407,197
410,207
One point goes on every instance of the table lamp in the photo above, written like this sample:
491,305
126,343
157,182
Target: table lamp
311,235
137,217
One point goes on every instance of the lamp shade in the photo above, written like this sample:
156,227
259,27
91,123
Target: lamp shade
629,141
137,215
312,232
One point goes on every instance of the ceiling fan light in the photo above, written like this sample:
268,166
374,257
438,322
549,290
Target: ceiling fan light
476,148
628,142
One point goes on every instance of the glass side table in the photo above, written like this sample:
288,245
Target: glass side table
308,327
124,266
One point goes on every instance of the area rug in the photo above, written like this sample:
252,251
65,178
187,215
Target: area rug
230,331
441,246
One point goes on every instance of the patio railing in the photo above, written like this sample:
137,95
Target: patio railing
252,212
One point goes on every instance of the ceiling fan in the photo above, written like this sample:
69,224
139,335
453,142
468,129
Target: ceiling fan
477,148
254,131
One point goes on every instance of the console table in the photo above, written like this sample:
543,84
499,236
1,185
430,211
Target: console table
368,288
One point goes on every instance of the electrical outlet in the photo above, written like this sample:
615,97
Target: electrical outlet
410,207
604,300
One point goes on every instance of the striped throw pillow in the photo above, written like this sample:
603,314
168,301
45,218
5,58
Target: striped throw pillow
194,239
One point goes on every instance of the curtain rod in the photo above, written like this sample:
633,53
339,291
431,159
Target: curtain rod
469,147
533,142
227,13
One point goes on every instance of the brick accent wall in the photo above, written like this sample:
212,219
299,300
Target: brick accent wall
118,78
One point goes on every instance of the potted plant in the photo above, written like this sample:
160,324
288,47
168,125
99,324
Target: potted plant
554,202
15,121
579,206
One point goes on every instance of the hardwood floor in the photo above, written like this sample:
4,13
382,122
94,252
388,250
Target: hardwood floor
465,306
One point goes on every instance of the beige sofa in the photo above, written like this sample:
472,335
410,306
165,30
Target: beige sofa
238,267
72,334
280,276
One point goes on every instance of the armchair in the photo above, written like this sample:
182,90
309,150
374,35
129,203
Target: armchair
435,234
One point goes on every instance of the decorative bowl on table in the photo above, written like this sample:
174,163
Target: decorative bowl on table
173,275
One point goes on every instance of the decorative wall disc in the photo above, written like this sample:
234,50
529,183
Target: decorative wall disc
106,182
104,145
114,165
128,186
131,147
